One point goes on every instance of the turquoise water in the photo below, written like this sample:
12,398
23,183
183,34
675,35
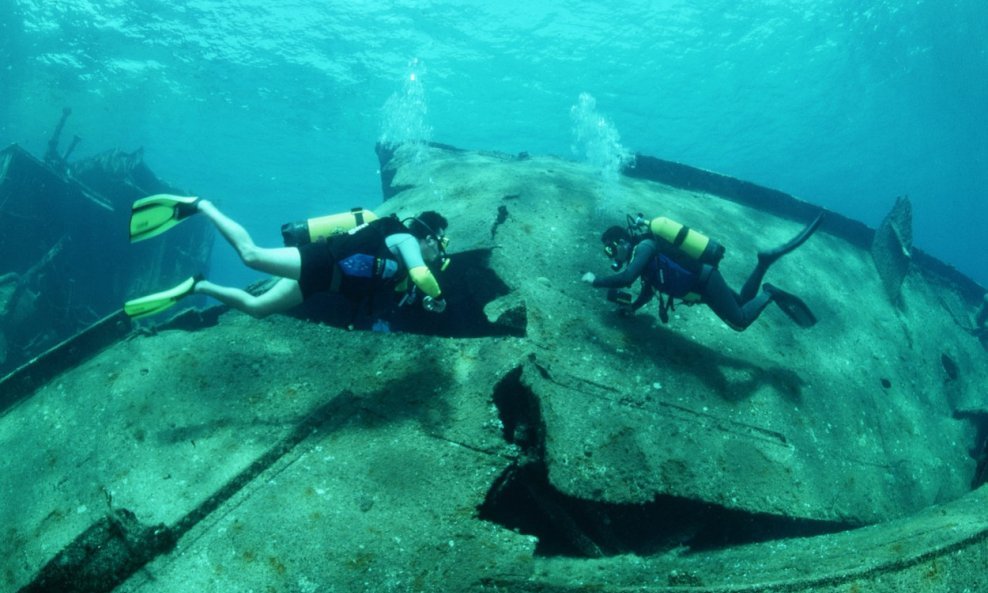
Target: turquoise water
273,108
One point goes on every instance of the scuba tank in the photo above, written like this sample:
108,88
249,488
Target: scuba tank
687,246
308,231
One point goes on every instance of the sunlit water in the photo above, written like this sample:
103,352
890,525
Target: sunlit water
272,108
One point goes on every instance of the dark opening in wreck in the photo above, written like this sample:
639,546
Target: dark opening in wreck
468,286
524,499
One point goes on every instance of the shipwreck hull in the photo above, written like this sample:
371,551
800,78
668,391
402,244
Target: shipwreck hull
539,441
65,260
847,421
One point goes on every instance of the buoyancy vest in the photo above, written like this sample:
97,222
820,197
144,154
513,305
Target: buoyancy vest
364,262
669,278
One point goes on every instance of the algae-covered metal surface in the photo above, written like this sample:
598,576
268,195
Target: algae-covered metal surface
551,444
848,421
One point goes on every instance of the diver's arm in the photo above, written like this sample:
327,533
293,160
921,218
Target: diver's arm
644,296
407,247
423,278
640,257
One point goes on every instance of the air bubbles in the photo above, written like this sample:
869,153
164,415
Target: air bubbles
596,140
403,117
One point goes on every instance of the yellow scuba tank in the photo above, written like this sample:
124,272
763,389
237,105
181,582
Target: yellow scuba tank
315,229
697,247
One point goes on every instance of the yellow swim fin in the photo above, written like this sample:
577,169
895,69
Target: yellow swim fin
155,214
158,302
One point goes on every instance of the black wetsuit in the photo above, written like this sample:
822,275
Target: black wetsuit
355,264
660,273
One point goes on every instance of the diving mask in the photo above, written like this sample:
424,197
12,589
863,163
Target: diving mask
442,241
612,250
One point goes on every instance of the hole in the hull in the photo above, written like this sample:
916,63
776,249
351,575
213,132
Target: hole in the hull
523,499
468,286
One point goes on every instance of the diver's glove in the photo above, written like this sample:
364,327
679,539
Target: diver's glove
434,305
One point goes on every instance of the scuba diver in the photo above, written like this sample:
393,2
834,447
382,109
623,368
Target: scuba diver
369,258
678,262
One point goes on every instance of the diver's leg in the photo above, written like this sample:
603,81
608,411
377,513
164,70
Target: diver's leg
767,258
284,295
280,261
735,311
754,281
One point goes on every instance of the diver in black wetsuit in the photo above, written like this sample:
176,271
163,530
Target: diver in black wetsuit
661,274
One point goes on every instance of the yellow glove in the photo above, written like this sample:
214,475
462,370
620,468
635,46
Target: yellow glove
426,282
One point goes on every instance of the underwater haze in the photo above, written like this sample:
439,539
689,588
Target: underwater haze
272,109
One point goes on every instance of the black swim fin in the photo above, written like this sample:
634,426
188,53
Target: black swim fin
156,214
792,306
767,258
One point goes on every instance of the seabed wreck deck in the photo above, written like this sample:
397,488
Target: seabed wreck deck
532,440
